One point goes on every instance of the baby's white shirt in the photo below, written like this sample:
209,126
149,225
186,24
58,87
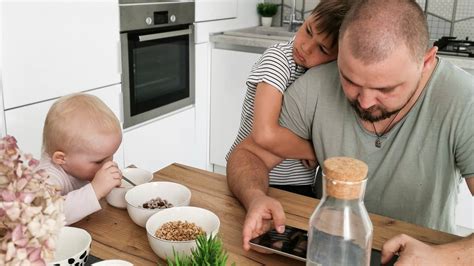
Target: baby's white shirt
80,199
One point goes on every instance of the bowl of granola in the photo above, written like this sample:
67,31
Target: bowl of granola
177,228
147,199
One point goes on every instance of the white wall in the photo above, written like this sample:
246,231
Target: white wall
2,115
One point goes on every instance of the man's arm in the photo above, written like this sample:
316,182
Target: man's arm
247,177
247,170
414,252
268,133
470,184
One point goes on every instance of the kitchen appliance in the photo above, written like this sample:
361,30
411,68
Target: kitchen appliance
452,46
157,41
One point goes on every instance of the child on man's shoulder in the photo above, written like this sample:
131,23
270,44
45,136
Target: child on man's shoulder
315,43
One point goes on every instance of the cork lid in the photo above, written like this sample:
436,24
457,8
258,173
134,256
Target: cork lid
345,169
344,177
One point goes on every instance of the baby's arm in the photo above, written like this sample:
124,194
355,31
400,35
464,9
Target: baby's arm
268,133
78,201
108,177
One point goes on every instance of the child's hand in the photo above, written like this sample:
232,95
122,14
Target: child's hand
108,177
309,164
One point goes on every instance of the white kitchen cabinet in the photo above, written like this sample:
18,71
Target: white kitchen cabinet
215,9
26,123
168,139
202,86
53,48
229,72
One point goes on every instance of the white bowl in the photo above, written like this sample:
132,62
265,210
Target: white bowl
72,247
116,197
174,193
206,219
112,263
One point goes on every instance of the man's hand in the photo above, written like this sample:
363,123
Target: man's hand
415,252
108,177
410,250
261,211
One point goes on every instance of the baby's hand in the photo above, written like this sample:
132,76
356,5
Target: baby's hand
108,177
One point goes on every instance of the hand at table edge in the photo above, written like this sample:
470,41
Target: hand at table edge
414,252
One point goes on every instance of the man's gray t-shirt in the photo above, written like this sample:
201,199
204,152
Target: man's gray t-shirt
416,173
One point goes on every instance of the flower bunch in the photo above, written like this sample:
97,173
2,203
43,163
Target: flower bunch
31,210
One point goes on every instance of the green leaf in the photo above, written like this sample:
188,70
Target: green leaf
209,251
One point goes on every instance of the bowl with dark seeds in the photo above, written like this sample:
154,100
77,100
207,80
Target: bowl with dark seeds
147,199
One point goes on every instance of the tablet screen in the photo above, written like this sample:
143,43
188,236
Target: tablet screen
293,243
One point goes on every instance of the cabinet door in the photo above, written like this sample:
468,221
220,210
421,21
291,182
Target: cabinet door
53,48
215,9
229,72
164,141
26,123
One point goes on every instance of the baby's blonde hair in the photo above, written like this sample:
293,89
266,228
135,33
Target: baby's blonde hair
73,119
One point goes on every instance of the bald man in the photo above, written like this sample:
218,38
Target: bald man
388,101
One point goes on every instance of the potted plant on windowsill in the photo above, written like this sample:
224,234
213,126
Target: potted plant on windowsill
267,11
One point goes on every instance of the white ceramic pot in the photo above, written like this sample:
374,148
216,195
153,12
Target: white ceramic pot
267,21
112,263
72,247
206,219
174,193
116,197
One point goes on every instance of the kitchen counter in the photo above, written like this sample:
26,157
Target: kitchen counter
115,236
255,39
466,63
258,39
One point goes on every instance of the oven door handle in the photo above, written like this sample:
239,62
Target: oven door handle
163,35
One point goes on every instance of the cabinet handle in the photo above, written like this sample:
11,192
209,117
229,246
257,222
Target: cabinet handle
163,35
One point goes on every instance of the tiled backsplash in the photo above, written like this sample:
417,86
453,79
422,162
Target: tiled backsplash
445,17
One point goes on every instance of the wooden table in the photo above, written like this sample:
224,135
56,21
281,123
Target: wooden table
115,236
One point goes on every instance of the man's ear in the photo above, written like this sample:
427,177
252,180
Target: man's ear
59,158
430,57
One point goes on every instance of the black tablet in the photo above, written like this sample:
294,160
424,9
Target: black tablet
293,243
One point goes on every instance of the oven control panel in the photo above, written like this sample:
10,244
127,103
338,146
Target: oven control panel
135,16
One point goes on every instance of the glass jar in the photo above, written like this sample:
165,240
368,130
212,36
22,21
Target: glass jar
340,230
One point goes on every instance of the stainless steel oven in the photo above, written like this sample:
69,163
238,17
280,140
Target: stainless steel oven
157,41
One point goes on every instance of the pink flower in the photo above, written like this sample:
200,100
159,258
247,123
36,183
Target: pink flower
35,254
8,195
18,236
30,230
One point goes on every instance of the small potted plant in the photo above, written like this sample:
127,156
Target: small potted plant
209,251
267,11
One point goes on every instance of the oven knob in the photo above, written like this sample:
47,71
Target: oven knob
148,21
172,18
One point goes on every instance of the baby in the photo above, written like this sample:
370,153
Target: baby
80,136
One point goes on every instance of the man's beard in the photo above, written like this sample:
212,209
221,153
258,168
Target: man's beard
367,114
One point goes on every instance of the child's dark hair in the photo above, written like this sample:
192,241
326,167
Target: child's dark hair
328,16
